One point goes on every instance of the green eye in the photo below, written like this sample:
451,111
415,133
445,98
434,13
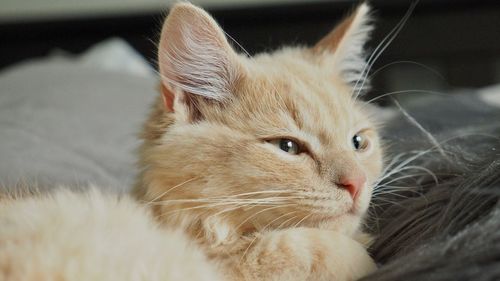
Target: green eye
360,142
287,145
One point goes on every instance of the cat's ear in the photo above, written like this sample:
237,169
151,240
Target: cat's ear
195,60
344,45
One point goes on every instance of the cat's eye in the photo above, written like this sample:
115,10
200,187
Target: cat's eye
287,145
360,142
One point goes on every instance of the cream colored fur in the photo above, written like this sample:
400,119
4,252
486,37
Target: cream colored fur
68,236
212,167
216,195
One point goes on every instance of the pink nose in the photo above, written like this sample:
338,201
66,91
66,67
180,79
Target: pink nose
353,184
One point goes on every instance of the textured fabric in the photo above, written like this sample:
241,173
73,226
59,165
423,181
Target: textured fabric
439,219
74,120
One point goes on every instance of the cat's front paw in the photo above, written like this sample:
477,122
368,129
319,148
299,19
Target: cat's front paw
306,254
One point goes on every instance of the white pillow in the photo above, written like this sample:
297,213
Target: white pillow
74,120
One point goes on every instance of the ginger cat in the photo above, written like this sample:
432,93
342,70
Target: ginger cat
267,162
252,169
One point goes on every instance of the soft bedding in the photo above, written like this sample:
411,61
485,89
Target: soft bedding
438,218
73,121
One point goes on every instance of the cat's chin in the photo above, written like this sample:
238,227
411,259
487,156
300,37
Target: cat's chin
346,222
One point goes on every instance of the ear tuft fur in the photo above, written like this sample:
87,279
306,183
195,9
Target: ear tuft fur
194,55
346,43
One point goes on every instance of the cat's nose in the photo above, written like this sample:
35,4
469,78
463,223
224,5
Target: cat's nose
352,183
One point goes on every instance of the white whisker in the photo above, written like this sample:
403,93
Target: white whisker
260,212
380,49
170,189
431,138
411,91
432,70
285,222
303,219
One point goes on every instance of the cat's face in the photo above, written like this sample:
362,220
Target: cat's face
273,141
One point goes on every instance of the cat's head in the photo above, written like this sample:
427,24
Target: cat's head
275,140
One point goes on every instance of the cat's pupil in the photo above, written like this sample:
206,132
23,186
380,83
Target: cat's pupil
356,141
289,146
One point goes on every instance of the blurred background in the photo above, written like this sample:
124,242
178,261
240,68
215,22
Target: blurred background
446,44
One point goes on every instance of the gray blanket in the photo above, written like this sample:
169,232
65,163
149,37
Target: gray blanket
440,218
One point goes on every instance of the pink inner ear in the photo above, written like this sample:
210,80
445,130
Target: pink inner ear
168,98
194,56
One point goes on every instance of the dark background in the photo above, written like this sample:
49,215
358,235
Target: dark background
458,39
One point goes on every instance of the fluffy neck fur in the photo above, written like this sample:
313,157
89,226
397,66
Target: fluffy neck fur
209,160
